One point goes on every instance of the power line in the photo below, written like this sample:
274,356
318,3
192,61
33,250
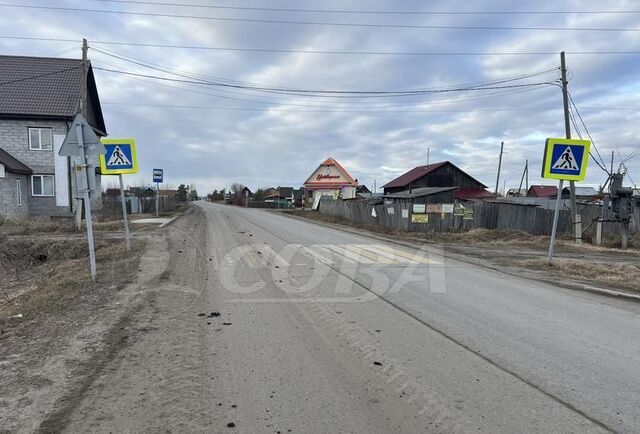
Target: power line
373,12
338,52
323,111
256,86
322,23
327,93
586,130
288,103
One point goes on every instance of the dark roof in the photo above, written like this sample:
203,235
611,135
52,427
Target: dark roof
418,172
13,165
412,175
542,190
418,192
362,189
285,191
47,88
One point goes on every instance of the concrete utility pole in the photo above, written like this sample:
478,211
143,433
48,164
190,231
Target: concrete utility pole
428,155
577,227
499,167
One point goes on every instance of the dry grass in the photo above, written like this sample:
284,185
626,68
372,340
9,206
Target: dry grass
622,274
489,238
40,275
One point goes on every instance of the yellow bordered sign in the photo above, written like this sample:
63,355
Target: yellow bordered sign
120,157
565,159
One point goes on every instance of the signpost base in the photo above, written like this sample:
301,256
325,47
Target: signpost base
124,215
554,229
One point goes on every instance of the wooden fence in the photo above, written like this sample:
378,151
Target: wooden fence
479,215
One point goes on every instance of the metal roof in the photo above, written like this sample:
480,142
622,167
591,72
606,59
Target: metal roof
418,172
412,175
418,192
13,165
46,87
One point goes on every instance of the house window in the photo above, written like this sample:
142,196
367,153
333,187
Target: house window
19,192
40,139
42,185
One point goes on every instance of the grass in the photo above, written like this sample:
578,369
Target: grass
489,238
41,275
623,274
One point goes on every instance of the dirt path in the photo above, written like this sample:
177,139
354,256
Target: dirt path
53,365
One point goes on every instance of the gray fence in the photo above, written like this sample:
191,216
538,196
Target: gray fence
480,215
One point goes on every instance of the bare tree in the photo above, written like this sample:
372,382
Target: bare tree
237,190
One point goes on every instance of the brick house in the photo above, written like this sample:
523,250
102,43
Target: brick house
39,98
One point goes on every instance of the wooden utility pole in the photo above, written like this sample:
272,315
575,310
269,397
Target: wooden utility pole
82,109
567,129
499,167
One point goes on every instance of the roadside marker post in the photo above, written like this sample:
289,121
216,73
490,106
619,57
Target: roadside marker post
564,160
158,175
82,142
120,158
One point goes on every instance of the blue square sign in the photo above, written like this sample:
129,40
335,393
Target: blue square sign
157,175
565,159
119,157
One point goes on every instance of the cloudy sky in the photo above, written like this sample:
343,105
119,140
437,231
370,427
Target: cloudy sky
214,135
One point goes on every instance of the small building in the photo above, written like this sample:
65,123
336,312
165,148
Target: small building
246,192
443,174
582,193
330,179
424,195
362,189
543,191
515,192
39,97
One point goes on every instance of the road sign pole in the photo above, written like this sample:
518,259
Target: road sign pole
124,215
554,229
157,197
87,202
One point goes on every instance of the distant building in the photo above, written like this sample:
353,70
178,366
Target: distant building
362,189
516,192
542,191
443,174
330,179
424,195
39,97
582,193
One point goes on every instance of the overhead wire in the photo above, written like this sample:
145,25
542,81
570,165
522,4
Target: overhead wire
187,75
288,103
321,23
586,129
330,93
338,52
375,12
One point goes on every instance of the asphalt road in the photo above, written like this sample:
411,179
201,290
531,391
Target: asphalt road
322,330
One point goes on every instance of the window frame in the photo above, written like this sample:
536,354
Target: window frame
42,176
39,129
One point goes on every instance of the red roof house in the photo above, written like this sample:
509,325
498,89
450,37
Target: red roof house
542,191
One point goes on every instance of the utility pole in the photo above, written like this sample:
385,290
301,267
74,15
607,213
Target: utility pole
428,156
567,129
526,169
499,167
82,109
524,172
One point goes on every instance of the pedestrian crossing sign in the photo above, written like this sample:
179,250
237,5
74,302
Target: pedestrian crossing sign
565,159
120,157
